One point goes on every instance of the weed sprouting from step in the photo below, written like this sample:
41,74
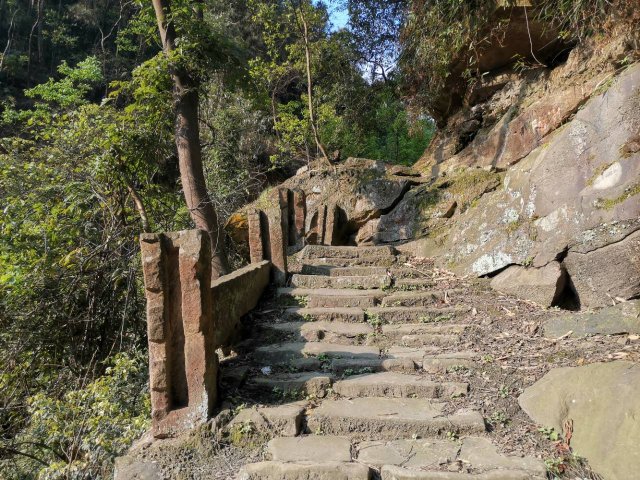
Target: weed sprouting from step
487,359
504,391
499,418
443,317
301,300
549,433
375,320
458,368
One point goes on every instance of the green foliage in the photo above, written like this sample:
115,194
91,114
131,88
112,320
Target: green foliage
78,435
441,39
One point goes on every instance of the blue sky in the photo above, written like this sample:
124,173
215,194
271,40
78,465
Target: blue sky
337,13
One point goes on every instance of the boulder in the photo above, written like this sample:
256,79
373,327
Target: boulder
603,274
621,318
603,401
540,285
376,197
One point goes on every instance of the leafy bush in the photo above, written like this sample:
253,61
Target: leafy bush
78,435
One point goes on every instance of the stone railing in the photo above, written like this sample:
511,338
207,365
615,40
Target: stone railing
272,231
188,319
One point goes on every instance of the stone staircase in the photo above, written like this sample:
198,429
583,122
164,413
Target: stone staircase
369,343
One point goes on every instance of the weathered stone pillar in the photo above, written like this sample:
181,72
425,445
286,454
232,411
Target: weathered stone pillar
322,217
256,243
331,223
182,360
277,220
298,213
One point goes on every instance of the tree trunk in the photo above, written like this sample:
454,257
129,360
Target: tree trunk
312,118
187,133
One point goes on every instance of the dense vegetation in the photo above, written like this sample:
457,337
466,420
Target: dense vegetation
87,161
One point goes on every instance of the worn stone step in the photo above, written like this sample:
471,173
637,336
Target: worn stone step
475,453
274,470
285,352
415,354
385,315
342,271
361,301
421,298
291,384
360,283
310,448
333,297
285,420
333,271
429,339
351,366
415,284
448,362
323,251
398,385
333,332
374,261
391,472
375,418
342,314
399,330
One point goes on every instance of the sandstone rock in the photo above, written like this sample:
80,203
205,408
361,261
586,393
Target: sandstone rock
375,197
540,285
608,272
577,193
304,471
311,448
131,468
603,400
622,318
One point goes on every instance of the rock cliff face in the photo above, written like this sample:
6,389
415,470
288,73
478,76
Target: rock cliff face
538,170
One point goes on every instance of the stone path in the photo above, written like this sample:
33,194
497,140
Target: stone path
359,374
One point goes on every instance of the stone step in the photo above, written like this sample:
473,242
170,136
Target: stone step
344,314
399,330
422,334
413,284
391,472
429,339
384,315
477,453
374,261
333,332
449,362
398,385
310,448
283,353
332,297
471,453
292,384
374,418
342,271
360,283
351,366
333,271
414,354
274,470
324,251
422,298
285,420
